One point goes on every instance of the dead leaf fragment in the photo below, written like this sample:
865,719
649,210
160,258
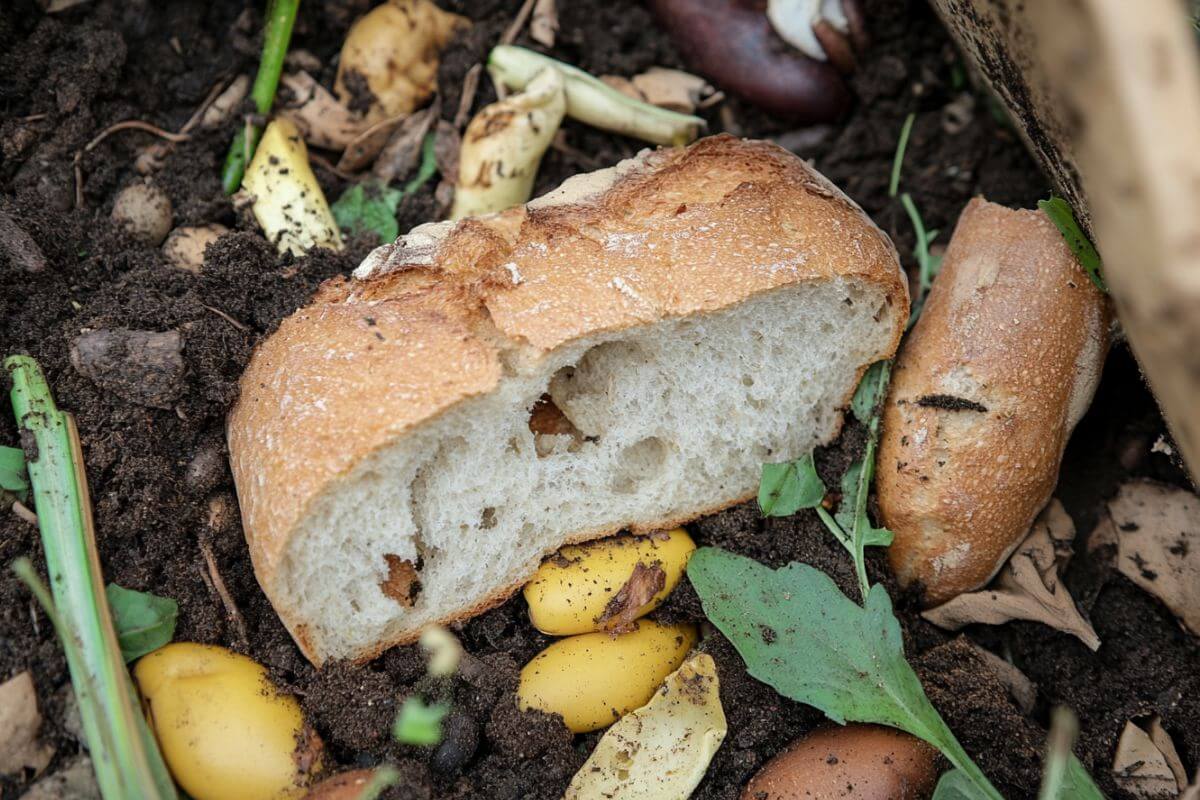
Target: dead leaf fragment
622,85
226,103
672,89
643,584
75,781
1140,768
322,120
400,155
1158,545
55,6
544,25
1166,745
19,723
446,149
363,149
1028,586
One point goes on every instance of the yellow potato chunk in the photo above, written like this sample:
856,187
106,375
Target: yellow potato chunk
594,679
576,591
225,731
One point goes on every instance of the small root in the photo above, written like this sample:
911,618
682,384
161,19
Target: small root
239,325
218,584
23,511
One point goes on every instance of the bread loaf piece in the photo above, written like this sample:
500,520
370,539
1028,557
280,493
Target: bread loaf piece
988,386
622,353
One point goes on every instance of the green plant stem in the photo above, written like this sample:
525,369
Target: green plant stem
938,734
281,18
898,161
124,754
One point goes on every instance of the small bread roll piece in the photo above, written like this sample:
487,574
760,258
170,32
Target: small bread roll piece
986,390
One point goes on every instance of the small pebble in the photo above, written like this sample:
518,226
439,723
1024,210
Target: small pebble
184,248
145,211
460,738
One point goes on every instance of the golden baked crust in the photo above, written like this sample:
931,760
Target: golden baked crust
984,394
679,232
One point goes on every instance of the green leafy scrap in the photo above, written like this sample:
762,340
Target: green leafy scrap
418,723
144,622
1059,212
955,785
427,167
786,488
14,478
799,634
369,208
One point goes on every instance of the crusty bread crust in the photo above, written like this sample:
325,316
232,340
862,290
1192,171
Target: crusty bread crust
985,392
443,317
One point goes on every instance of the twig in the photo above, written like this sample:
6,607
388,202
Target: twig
23,511
467,98
231,609
240,326
514,30
33,118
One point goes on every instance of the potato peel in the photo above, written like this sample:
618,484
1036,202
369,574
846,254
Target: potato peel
288,202
662,750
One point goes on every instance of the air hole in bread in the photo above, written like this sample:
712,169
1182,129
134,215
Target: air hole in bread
487,519
641,464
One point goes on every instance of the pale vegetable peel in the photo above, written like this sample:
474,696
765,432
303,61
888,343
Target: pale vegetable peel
504,144
592,101
392,54
287,200
662,750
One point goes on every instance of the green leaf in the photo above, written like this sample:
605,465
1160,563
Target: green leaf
955,785
369,208
1059,212
13,476
418,723
799,634
144,622
870,391
786,488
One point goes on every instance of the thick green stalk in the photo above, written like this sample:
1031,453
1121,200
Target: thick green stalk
281,18
124,753
594,102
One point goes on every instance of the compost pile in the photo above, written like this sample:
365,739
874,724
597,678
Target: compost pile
152,427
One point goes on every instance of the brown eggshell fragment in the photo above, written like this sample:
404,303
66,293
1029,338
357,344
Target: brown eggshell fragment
732,43
865,762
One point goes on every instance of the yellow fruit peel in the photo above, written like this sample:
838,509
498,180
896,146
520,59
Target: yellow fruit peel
662,750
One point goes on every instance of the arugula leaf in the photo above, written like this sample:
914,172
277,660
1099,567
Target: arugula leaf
786,488
13,476
1059,212
870,391
799,634
144,622
928,265
418,723
369,208
955,785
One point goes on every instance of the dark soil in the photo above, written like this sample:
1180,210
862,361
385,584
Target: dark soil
162,490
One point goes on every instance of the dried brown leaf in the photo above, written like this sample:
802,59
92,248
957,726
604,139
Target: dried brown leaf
1158,545
644,582
622,85
544,24
1028,586
400,155
226,103
1166,745
1019,687
361,152
323,120
672,89
19,723
1140,768
446,148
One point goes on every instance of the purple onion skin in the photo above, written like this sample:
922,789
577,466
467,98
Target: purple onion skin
732,43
